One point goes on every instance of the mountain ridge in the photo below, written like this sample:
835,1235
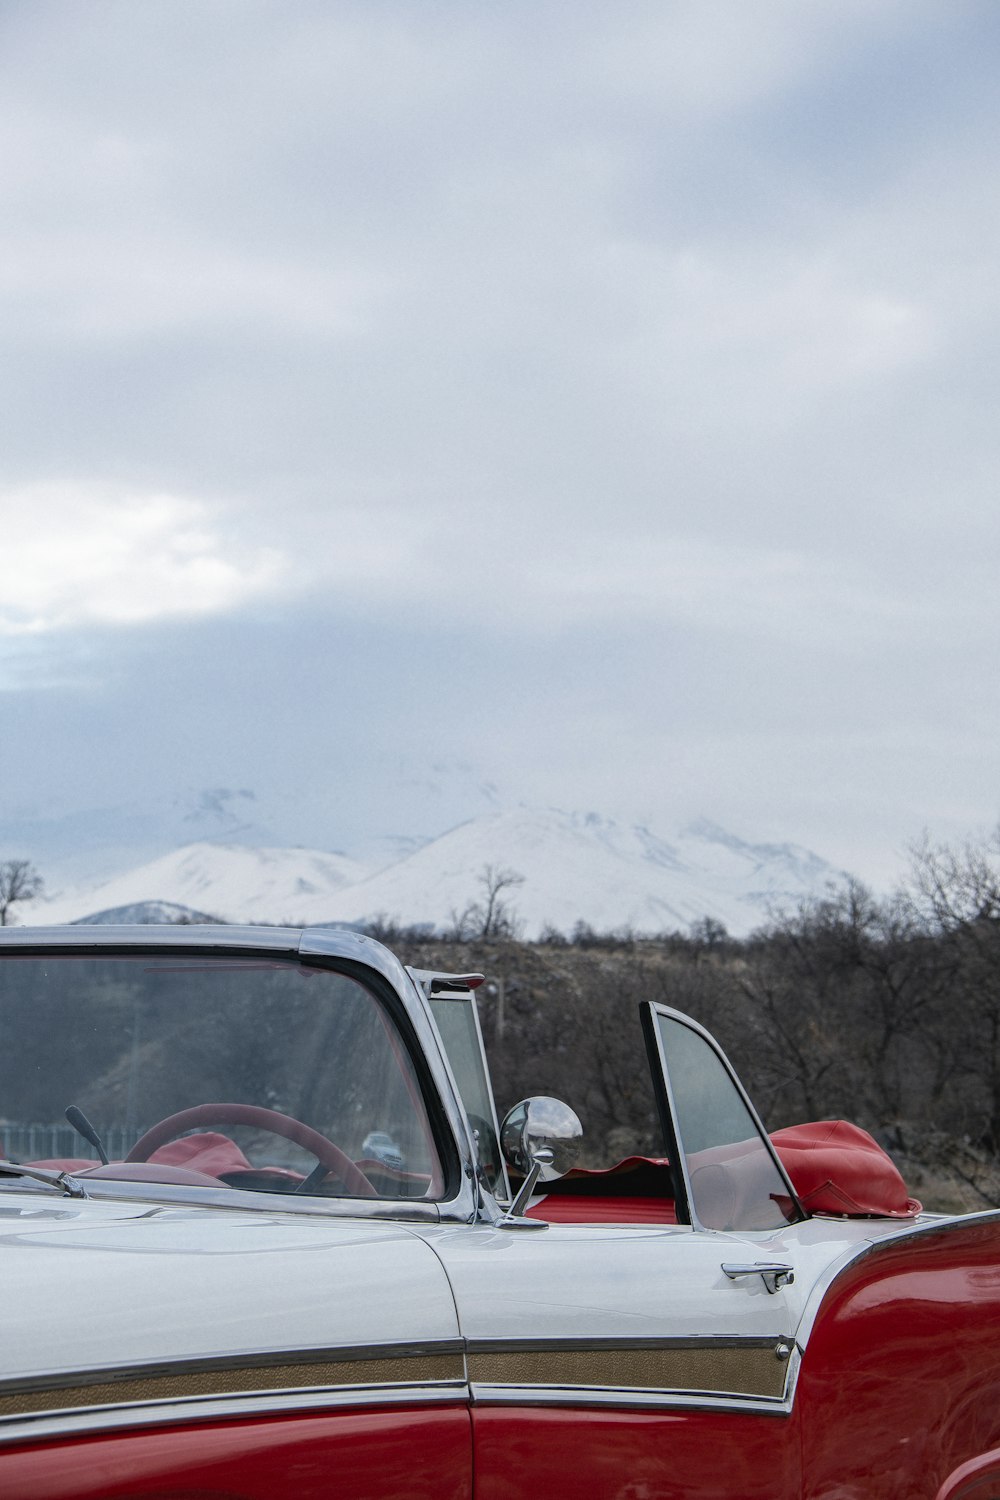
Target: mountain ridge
571,867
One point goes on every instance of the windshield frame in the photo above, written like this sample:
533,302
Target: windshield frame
340,951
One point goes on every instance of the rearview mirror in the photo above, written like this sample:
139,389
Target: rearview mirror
540,1138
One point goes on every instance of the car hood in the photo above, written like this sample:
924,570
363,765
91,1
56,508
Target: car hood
104,1285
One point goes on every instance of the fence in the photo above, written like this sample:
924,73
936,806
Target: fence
20,1142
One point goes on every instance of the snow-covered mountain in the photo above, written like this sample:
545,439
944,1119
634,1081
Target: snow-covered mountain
143,912
229,881
573,867
583,867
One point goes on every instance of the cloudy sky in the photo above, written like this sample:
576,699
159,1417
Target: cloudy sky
412,408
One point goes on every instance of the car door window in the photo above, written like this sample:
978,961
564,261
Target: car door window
724,1163
458,1022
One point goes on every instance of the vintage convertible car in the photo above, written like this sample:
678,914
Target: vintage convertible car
263,1235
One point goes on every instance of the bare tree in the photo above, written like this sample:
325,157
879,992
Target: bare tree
955,895
495,915
490,917
19,881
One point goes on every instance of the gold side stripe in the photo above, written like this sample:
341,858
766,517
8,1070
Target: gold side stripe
753,1371
746,1369
240,1380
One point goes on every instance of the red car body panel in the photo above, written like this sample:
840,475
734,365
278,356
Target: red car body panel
632,1455
900,1382
424,1455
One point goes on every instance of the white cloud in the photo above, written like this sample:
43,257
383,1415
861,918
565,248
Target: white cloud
76,556
534,341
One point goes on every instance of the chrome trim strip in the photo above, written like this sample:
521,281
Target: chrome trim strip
604,1343
239,1375
93,1420
204,935
88,1421
405,1211
638,1400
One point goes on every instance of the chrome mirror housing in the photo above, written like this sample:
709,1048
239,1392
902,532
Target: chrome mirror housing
540,1138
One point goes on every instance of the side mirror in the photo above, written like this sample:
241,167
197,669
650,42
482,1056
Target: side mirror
540,1138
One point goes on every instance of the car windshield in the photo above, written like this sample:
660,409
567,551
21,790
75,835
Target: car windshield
251,1073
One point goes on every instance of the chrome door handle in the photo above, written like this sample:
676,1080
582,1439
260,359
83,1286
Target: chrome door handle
772,1272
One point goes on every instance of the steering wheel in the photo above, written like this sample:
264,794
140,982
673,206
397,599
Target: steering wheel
326,1153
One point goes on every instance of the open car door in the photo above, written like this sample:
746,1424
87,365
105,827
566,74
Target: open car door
660,1352
727,1174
